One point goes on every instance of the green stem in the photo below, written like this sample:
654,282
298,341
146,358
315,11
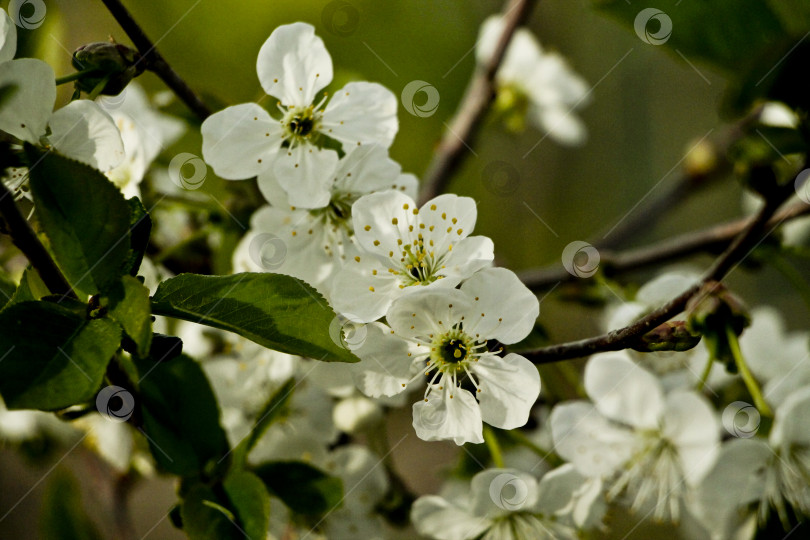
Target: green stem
705,375
75,76
493,447
98,88
789,271
745,373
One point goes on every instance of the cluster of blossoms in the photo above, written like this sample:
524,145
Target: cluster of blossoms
430,319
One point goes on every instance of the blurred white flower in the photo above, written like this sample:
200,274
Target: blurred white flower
502,504
145,133
405,249
651,446
756,475
313,244
293,66
444,335
535,83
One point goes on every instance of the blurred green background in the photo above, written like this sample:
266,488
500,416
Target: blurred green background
648,107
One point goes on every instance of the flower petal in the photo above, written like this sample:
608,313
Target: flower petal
240,141
83,131
690,423
382,218
508,307
509,386
624,391
306,174
8,37
427,311
386,361
363,289
367,169
792,424
294,65
437,518
448,219
497,492
27,110
451,413
362,113
594,445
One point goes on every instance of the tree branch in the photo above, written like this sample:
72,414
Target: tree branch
155,61
711,240
754,232
479,95
27,241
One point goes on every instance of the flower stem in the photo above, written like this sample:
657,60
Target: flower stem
98,88
74,76
705,375
493,447
745,373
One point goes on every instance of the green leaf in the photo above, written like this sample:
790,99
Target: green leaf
274,406
62,516
140,228
717,31
51,357
277,311
302,487
129,307
206,518
85,218
251,502
31,288
181,417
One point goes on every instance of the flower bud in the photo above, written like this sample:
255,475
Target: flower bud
112,61
670,336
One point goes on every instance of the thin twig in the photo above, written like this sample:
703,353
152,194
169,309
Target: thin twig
27,241
711,240
479,95
155,61
753,233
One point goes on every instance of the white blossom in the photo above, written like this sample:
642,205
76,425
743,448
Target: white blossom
651,446
406,249
293,66
444,336
538,83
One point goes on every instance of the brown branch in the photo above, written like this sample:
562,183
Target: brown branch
155,61
753,233
711,240
27,241
479,95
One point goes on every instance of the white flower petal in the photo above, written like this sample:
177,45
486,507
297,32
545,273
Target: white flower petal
427,311
468,256
448,219
792,423
27,110
294,65
408,184
362,113
497,492
382,218
385,367
8,37
442,417
363,289
367,169
437,518
240,141
691,424
272,190
509,307
306,174
624,391
83,131
594,445
560,123
509,387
